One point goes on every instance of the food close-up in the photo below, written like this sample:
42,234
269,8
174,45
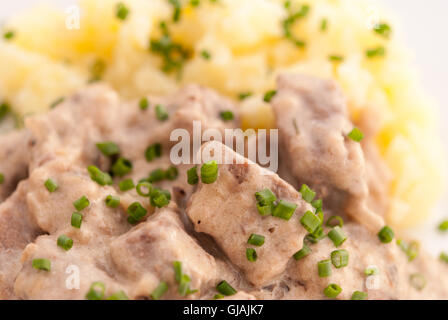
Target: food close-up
217,150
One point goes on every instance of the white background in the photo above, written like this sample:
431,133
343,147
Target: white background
424,25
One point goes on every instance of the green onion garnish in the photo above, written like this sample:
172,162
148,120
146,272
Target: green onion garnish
209,172
206,55
359,295
177,265
307,194
108,148
57,102
383,29
156,175
122,11
121,167
339,258
226,115
323,24
225,288
120,295
136,212
310,221
159,291
112,201
371,271
337,236
100,177
316,236
97,291
444,257
81,203
336,58
153,151
2,178
182,279
171,173
411,249
4,109
8,35
218,296
126,185
256,240
356,135
143,103
317,204
386,234
244,95
161,113
443,226
324,268
284,210
418,281
42,264
302,253
332,291
265,201
376,52
65,242
76,220
251,254
160,198
269,95
51,185
192,175
145,185
340,221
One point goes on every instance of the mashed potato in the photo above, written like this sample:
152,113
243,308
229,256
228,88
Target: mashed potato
236,47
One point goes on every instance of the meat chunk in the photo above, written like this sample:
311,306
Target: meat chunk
313,124
226,210
149,251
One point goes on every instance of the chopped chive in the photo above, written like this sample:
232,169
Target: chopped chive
192,175
171,173
184,285
265,201
136,211
159,291
372,271
359,295
126,185
307,194
51,185
2,178
177,265
108,148
244,95
156,175
302,253
316,236
65,242
76,220
100,177
336,58
226,115
8,35
443,226
122,11
324,268
209,172
42,264
256,240
121,167
284,210
112,201
57,102
145,185
160,198
269,95
340,221
337,236
376,52
120,295
310,221
356,135
323,24
161,113
206,55
332,290
383,29
443,257
339,258
317,204
411,249
418,281
386,234
218,296
97,291
97,70
153,151
225,288
143,103
251,254
81,203
4,109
